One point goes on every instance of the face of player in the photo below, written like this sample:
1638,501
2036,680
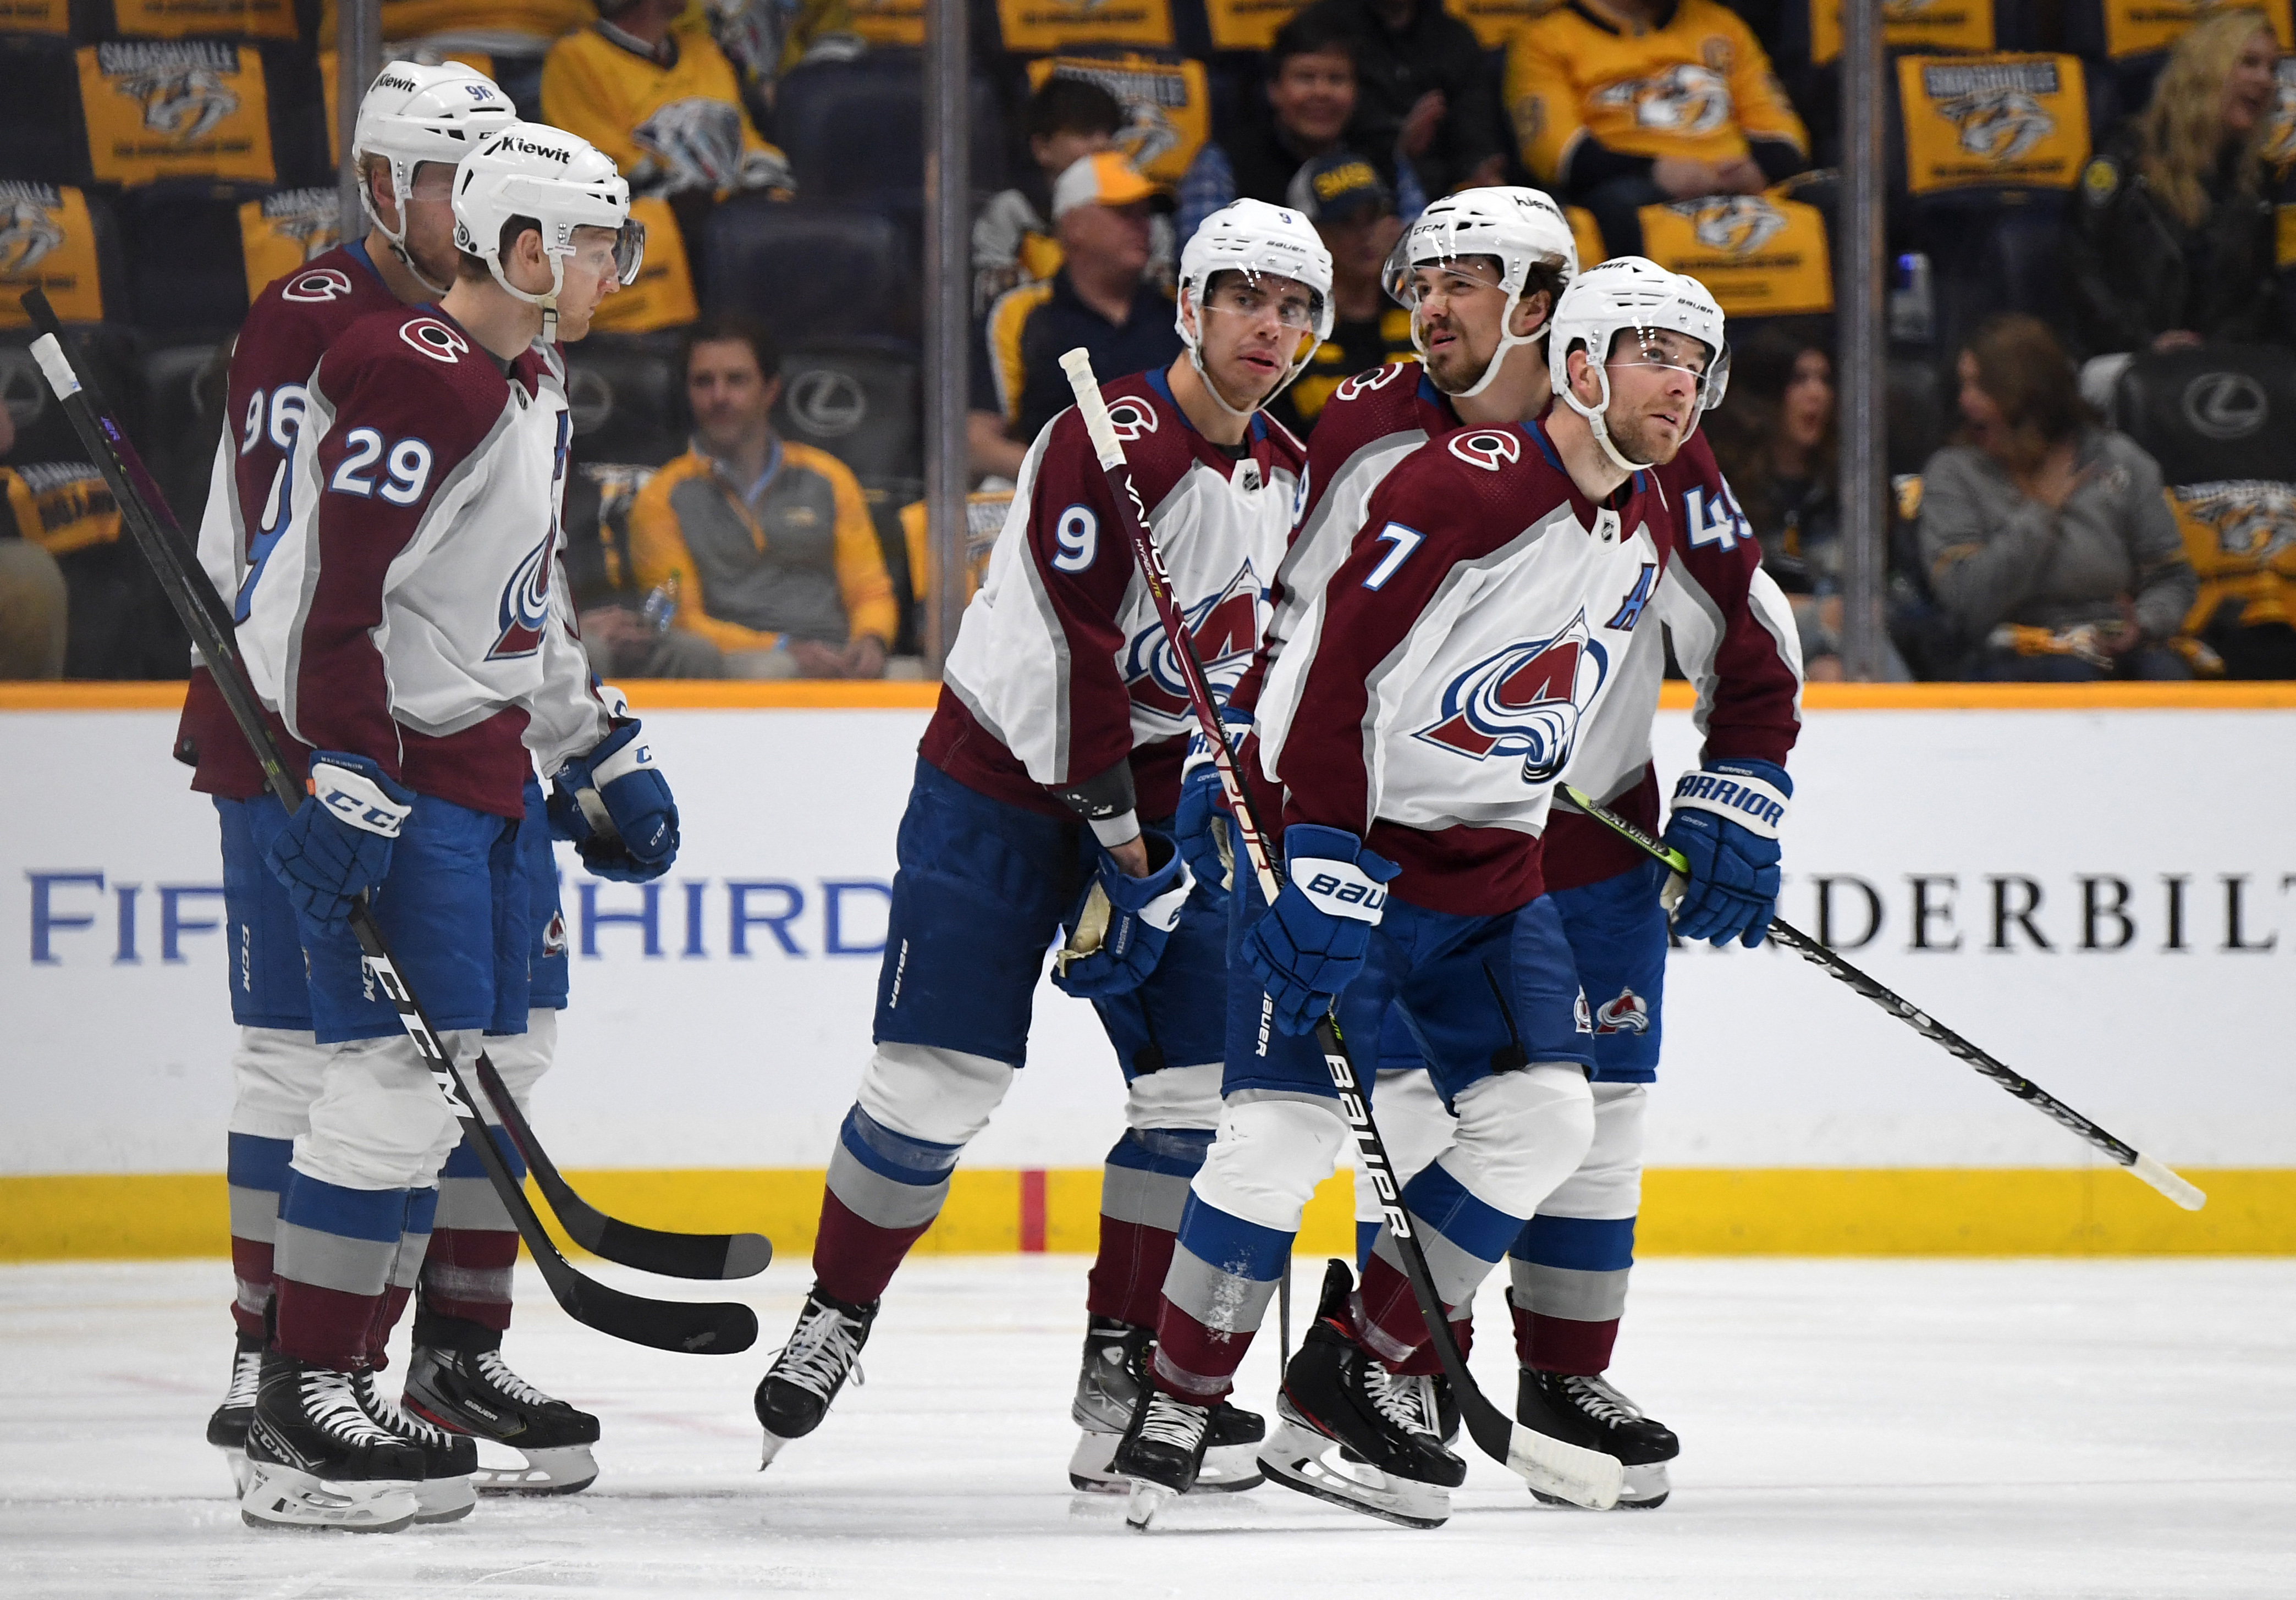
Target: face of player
1253,328
1055,153
429,215
1313,96
590,277
1808,400
729,395
1654,382
2249,89
1460,306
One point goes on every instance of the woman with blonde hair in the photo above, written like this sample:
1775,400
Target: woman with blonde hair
2170,238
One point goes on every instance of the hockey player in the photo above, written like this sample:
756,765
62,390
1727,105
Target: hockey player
406,624
1043,788
1418,720
1470,271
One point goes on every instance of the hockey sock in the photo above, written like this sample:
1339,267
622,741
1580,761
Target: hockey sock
1224,1273
1143,1191
466,1272
405,1268
1568,1291
1463,1239
336,1249
257,1172
885,1188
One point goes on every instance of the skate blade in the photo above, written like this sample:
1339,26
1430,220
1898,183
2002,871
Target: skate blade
1227,1470
284,1496
1646,1489
444,1499
236,1460
567,1470
1569,1472
1314,1465
1147,1499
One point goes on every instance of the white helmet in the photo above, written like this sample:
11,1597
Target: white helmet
560,180
1253,237
413,113
1521,228
1634,294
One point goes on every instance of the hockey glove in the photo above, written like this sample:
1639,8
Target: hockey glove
615,805
1726,825
1118,930
1311,943
336,846
1202,823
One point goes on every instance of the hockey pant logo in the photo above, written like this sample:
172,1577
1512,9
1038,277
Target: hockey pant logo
1628,1014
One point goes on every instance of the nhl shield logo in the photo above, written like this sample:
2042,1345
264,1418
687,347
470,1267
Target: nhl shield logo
1628,1014
183,103
1526,700
1997,125
1684,99
27,236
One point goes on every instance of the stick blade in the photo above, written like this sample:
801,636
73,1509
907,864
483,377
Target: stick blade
2160,1178
1568,1472
712,1256
720,1328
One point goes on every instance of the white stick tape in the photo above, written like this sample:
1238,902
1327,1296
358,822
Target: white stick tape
2176,1188
58,371
1077,365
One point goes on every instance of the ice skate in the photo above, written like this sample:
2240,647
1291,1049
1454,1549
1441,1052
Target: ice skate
1108,1390
824,1349
1591,1412
227,1428
1162,1452
446,1494
476,1392
315,1459
1430,1395
1349,1432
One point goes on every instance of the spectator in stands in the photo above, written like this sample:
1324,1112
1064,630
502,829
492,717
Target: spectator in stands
2171,242
765,39
763,546
1424,90
1101,298
1311,105
32,597
1013,243
1620,104
626,631
2049,542
1354,212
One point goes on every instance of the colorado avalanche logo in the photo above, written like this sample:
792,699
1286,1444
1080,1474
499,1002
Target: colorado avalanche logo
1489,449
1628,1014
1525,701
1131,418
554,936
318,286
1227,630
525,607
435,339
1364,383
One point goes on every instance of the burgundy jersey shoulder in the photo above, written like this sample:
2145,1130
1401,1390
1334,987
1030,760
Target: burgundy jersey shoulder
300,314
1474,487
1365,408
414,372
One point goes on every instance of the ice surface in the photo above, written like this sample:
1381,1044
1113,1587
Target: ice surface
1851,1429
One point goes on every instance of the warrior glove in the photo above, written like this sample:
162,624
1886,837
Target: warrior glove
1725,824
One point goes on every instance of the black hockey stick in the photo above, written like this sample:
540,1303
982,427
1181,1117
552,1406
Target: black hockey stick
712,1256
1818,955
1584,1477
719,1329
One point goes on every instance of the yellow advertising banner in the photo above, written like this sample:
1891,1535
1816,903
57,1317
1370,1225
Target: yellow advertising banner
1908,25
280,232
36,16
663,295
1168,112
62,505
179,19
541,20
1249,24
897,22
1997,121
1037,27
47,240
1586,233
1760,257
2141,27
1495,20
182,110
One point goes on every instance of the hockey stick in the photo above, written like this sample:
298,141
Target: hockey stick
719,1329
1818,955
1582,1476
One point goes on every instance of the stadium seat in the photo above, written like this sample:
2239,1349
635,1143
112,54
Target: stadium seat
2216,411
184,407
811,271
1917,401
157,109
187,262
851,129
107,361
627,403
65,242
42,138
859,401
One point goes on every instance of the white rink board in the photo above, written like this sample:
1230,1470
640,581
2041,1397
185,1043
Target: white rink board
115,1054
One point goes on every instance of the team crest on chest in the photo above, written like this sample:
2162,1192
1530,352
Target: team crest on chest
1227,630
1524,700
1131,418
525,607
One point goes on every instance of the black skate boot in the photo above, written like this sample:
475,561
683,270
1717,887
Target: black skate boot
458,1380
1429,1396
1162,1453
1590,1412
445,1493
1116,1356
1347,1433
824,1349
315,1459
227,1428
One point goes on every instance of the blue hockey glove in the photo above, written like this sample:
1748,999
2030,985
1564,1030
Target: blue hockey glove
1118,930
1725,824
336,846
1311,943
1202,822
615,805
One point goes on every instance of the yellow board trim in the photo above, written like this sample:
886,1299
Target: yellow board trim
1895,1211
678,695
